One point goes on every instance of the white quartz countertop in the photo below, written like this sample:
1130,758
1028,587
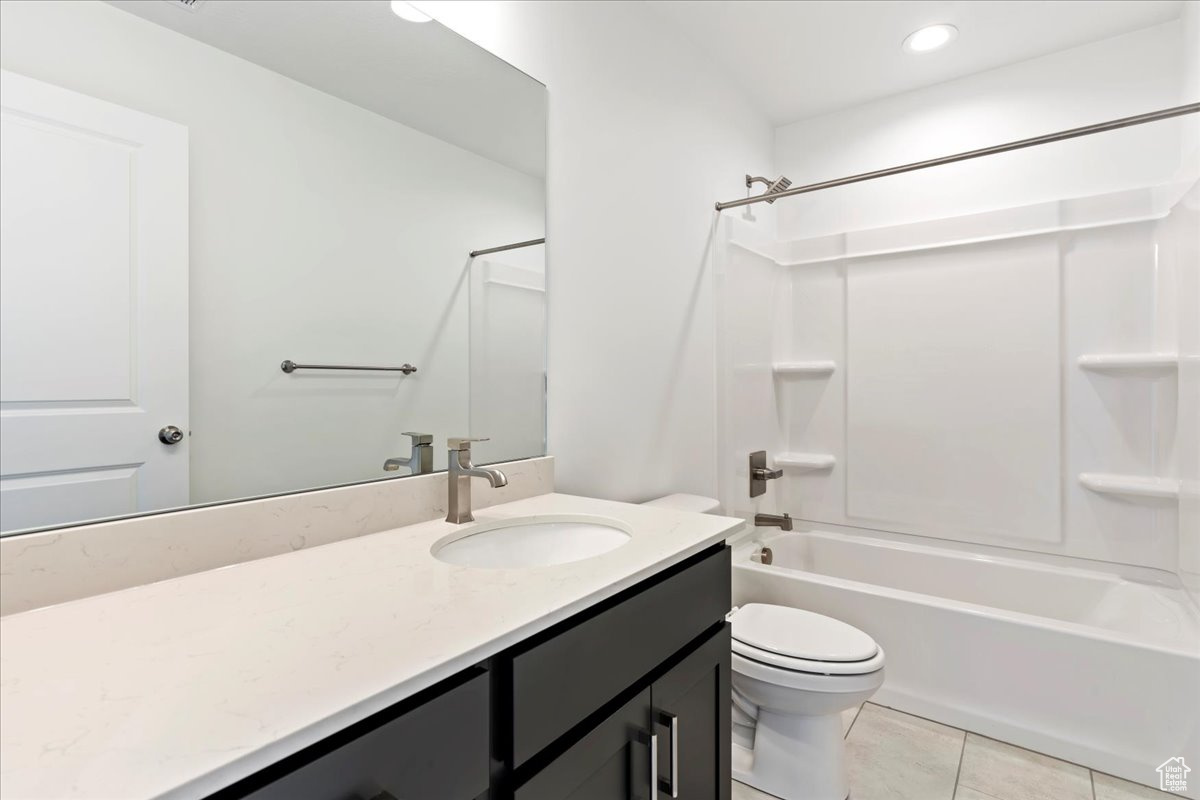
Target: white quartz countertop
179,688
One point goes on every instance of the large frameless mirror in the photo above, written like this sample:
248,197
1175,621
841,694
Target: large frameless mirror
237,252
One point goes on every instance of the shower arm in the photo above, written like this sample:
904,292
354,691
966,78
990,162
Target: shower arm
1071,133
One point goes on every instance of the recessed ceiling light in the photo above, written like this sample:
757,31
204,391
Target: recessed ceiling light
409,12
931,37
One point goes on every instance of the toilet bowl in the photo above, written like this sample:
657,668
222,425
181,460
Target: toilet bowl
794,673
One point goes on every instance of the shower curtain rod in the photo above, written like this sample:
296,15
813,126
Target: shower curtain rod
1112,125
504,247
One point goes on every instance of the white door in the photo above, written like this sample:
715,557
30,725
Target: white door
93,307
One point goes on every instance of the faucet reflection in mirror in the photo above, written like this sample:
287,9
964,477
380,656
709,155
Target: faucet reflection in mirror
420,458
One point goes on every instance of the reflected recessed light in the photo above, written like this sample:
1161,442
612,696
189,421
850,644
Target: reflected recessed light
931,37
407,11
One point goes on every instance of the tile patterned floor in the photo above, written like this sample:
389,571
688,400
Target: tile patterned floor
896,756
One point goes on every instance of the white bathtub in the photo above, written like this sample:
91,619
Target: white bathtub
1079,664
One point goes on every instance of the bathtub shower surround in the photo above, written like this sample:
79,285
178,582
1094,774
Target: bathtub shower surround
1006,378
1005,343
1008,383
977,380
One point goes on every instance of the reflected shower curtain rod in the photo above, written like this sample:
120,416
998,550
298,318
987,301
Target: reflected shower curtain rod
1086,130
504,247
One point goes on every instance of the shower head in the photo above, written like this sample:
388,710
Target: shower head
773,186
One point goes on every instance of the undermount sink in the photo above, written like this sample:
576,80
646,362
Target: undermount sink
531,541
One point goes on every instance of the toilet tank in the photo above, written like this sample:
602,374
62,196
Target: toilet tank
687,502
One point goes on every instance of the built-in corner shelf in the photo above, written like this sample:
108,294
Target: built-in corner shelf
1130,362
1130,485
814,368
805,460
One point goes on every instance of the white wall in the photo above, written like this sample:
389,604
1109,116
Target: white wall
645,135
320,232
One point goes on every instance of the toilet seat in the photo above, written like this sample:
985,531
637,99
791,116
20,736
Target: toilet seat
807,681
795,640
806,665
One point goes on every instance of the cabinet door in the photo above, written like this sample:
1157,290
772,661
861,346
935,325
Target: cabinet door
611,762
692,719
559,681
435,751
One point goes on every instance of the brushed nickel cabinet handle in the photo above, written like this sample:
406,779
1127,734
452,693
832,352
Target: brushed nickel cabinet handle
651,741
671,721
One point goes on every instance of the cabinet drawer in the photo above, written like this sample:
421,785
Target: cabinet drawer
559,682
436,751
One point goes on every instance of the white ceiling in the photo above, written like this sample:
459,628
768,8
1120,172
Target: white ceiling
420,74
803,58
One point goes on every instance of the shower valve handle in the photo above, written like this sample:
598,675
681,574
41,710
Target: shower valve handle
760,473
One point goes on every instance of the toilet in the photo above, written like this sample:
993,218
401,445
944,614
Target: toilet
794,673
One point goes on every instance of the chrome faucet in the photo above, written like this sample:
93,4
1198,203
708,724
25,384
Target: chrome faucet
461,470
781,521
420,458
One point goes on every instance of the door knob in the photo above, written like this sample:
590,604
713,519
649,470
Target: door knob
170,435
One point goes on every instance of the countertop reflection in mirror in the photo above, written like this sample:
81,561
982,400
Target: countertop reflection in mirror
194,195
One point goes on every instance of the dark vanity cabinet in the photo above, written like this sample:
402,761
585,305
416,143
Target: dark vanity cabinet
626,700
662,644
684,714
432,745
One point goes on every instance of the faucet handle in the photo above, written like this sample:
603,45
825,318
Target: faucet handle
419,439
464,443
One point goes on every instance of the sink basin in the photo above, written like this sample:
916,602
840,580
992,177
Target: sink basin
531,541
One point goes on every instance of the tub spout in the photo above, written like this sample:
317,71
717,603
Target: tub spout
781,521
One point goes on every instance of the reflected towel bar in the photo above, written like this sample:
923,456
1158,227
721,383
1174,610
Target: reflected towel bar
290,366
1086,130
504,247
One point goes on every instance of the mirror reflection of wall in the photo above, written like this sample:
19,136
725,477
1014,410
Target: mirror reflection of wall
508,352
188,203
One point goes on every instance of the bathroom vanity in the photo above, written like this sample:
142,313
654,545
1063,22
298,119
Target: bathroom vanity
602,705
370,669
